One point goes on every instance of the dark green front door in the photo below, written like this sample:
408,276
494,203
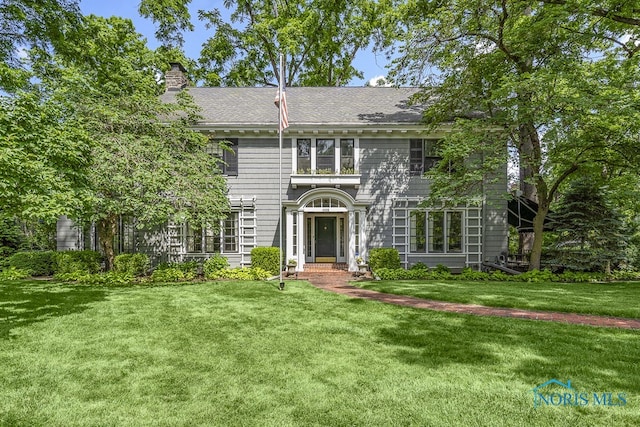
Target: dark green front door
325,239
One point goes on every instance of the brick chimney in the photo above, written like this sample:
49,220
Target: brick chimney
175,78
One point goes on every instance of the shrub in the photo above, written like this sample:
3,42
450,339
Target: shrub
172,274
74,276
441,268
134,264
267,258
111,278
420,266
13,273
402,274
36,263
384,258
534,276
252,273
216,263
175,271
84,261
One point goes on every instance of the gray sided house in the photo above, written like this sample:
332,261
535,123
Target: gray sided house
352,164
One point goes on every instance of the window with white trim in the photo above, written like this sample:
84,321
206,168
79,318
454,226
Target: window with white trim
435,231
203,239
326,156
304,156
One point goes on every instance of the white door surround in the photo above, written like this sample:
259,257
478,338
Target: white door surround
313,207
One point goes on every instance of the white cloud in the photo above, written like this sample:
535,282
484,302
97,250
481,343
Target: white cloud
379,81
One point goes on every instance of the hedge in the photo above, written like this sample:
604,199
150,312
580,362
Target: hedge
36,263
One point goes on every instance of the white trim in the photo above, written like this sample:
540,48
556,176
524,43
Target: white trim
345,208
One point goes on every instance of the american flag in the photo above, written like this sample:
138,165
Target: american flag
284,116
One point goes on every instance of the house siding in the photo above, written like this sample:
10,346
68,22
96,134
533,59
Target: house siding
385,177
379,120
258,176
67,235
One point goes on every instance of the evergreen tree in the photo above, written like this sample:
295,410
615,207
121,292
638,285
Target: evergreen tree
590,235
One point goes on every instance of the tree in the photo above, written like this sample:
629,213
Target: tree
44,154
147,162
320,39
43,151
556,81
589,233
32,23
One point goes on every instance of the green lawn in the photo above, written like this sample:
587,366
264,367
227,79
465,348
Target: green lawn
617,299
244,353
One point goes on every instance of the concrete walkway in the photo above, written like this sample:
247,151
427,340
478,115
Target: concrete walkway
338,282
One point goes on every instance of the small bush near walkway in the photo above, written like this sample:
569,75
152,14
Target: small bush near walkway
384,258
266,258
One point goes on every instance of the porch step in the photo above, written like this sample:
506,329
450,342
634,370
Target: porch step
320,267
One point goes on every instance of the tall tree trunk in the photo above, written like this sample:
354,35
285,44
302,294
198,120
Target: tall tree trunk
538,229
107,229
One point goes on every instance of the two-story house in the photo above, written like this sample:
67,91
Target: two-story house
352,163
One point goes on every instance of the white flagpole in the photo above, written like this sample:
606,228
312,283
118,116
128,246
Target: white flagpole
280,77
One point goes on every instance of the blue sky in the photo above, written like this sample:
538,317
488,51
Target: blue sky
372,65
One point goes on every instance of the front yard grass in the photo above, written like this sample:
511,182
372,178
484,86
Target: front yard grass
618,299
244,353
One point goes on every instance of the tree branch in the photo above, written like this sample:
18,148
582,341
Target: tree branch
598,11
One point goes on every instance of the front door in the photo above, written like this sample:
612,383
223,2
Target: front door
326,239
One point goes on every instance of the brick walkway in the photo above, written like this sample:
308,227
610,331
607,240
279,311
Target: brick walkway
338,282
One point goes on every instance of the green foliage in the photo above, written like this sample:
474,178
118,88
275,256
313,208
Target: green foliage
441,268
175,271
172,274
320,39
78,261
110,278
171,16
589,234
214,264
10,236
44,155
147,162
37,263
73,276
551,79
420,266
13,273
239,273
134,264
46,24
533,276
384,258
266,258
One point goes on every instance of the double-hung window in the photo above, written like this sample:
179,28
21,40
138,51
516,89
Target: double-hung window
304,155
423,155
228,155
204,239
347,164
325,156
435,231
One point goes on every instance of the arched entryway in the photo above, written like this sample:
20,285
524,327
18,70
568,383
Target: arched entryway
325,225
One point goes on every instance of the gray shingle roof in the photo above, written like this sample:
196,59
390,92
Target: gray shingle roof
342,106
